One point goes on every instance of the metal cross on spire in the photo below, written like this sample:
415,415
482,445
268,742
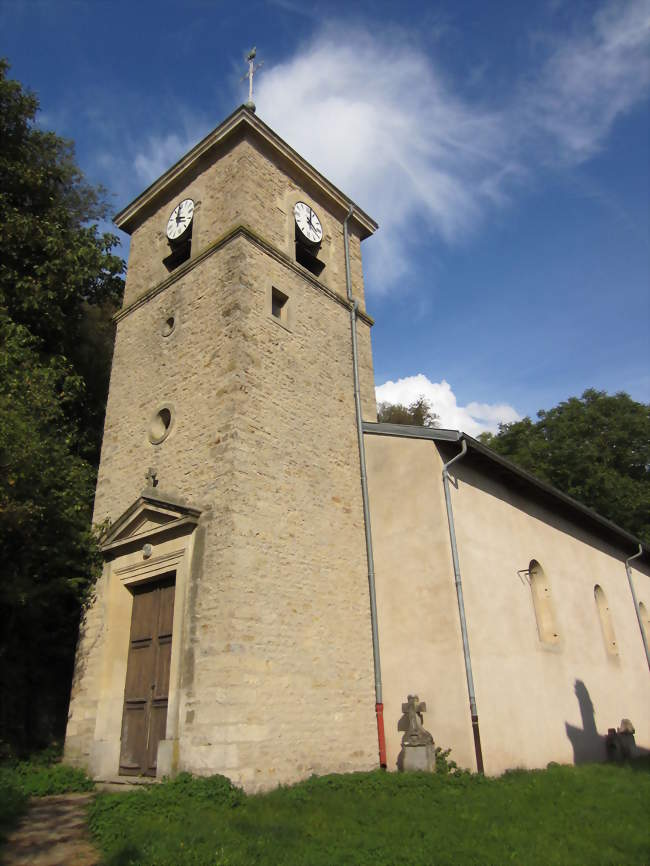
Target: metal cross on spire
252,69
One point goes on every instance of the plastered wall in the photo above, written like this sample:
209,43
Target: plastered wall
537,702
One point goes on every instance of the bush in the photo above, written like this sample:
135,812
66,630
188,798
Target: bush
35,779
13,803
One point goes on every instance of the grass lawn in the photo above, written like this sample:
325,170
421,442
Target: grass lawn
594,814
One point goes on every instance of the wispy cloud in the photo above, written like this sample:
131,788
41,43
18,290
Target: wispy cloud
159,152
138,161
374,113
589,80
474,418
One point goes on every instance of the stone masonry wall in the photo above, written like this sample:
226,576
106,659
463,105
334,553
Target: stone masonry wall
277,667
185,371
246,185
283,687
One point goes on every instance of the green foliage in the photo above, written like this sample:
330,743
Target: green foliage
595,448
445,766
565,815
419,413
40,780
59,283
13,803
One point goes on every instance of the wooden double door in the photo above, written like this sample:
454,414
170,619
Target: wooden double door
146,691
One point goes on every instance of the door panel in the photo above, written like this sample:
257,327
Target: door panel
161,670
146,689
166,614
134,737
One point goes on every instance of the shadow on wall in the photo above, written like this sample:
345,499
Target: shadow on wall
402,725
589,745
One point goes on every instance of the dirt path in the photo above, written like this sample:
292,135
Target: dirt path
52,833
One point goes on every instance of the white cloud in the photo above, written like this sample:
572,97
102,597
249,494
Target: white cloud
374,113
474,418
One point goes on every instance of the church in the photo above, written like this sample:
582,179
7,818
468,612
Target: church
280,571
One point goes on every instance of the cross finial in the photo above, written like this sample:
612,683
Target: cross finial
252,69
151,477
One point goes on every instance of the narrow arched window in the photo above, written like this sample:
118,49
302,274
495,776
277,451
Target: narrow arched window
542,602
606,623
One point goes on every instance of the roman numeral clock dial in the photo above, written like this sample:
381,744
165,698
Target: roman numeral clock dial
309,228
180,219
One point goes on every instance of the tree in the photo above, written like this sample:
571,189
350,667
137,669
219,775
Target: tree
596,448
59,283
419,413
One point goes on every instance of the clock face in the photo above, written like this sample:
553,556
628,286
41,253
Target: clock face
308,223
180,220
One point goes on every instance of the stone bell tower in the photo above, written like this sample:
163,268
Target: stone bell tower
230,632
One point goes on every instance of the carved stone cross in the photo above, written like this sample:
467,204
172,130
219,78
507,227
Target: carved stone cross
415,735
151,477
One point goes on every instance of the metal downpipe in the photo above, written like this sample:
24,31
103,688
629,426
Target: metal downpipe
354,306
461,608
644,637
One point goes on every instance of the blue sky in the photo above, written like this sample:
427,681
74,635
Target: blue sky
503,148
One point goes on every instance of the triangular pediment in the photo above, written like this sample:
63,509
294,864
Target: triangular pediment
150,515
242,122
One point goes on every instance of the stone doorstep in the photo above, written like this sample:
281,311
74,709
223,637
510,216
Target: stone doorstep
123,784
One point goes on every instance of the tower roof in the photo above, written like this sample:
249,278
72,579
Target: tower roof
242,121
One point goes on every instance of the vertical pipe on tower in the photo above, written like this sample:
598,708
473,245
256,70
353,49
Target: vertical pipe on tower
354,306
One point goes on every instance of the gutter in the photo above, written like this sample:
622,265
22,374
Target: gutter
354,307
461,607
644,637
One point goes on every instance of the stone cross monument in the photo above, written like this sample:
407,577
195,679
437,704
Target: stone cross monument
418,750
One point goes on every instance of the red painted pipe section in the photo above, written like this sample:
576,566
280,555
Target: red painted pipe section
379,709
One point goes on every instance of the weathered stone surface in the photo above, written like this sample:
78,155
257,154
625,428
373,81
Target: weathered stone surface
419,758
264,443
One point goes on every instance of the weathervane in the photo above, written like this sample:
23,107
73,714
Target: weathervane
252,69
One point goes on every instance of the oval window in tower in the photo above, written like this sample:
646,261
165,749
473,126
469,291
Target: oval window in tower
160,425
168,326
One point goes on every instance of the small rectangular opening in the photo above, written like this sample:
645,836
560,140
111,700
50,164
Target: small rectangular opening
279,304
